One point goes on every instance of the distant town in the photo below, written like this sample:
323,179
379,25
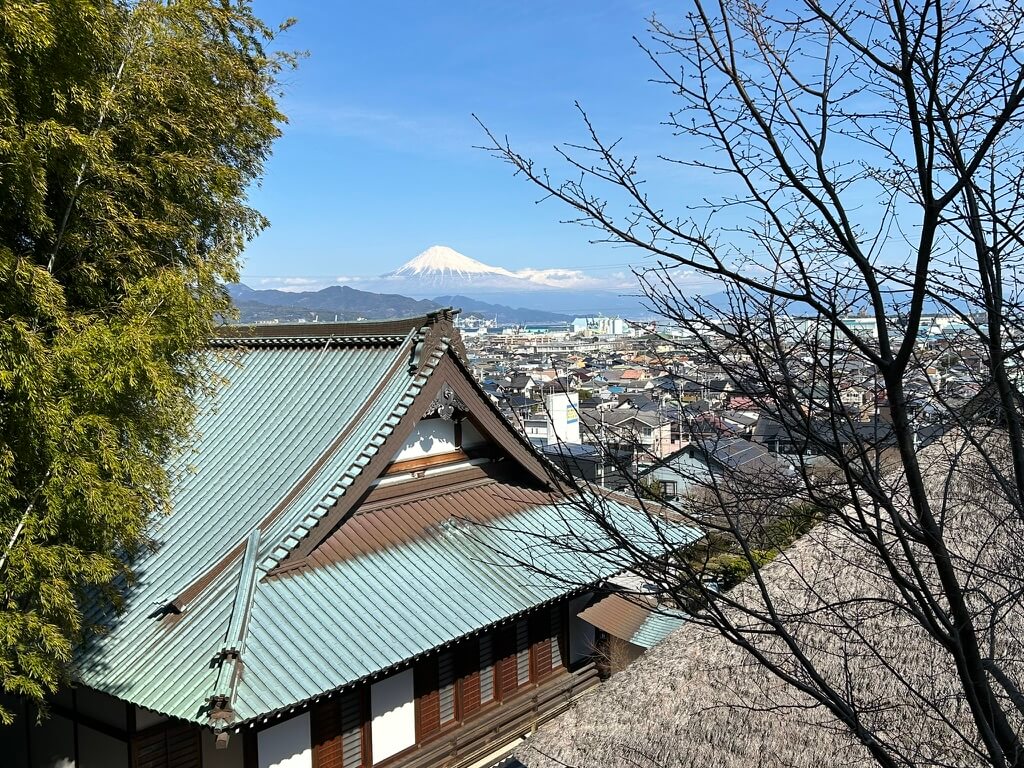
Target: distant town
615,400
604,395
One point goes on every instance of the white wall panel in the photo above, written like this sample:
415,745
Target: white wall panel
393,713
286,745
430,438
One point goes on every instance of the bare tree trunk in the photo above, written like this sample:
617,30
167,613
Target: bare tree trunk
875,150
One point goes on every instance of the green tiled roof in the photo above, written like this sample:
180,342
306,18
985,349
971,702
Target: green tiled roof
317,409
657,626
375,611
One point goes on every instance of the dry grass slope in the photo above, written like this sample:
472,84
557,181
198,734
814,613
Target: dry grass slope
698,700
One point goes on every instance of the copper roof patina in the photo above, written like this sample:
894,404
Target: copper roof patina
267,587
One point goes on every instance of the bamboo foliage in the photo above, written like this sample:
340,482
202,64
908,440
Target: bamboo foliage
129,134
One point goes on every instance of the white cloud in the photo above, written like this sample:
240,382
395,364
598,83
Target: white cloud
578,279
526,279
290,284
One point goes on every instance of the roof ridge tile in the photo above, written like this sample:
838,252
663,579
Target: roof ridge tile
375,442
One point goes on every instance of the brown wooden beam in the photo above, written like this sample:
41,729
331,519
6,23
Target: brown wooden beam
424,462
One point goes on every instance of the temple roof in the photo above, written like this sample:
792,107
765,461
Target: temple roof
282,575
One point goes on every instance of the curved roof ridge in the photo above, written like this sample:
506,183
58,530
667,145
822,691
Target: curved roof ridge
260,334
282,546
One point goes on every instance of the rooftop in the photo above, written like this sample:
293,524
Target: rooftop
271,583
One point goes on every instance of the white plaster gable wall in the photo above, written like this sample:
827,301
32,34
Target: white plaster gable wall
286,745
430,438
393,713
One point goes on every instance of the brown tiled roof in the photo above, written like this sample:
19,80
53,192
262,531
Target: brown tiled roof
366,329
617,615
385,525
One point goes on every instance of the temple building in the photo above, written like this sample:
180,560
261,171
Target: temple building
361,568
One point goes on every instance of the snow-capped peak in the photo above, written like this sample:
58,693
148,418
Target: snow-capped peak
440,260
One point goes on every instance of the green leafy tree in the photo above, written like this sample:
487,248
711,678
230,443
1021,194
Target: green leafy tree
129,134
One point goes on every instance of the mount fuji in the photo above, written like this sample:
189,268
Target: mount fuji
442,276
441,270
440,262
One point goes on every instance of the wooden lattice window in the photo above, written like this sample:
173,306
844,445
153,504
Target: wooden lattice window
338,732
168,745
428,700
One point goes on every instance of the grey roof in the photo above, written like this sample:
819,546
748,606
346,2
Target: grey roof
744,419
574,450
731,454
873,432
620,418
735,453
518,401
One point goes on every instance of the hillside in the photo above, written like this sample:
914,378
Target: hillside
345,303
504,314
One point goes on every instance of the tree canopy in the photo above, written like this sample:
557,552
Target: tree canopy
852,181
129,135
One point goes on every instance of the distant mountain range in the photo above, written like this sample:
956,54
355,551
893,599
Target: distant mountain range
440,277
473,308
344,303
335,301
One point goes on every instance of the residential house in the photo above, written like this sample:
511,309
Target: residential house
705,458
649,434
520,384
740,423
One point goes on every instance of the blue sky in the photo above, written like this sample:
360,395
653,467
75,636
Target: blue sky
378,160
